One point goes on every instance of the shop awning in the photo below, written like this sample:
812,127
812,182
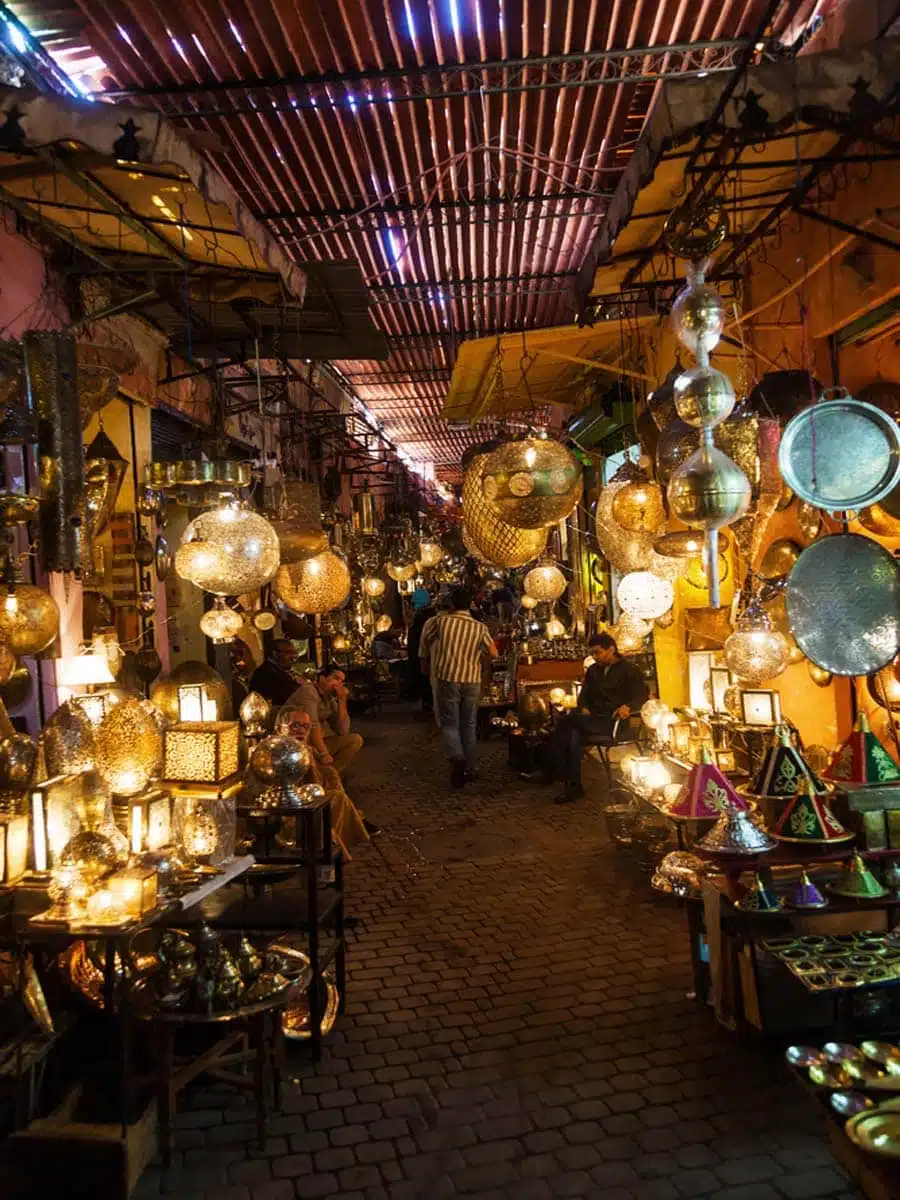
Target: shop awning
560,365
761,152
162,234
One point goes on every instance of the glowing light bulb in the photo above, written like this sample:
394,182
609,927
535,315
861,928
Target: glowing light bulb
11,603
530,457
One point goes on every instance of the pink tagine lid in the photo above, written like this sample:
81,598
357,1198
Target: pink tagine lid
706,794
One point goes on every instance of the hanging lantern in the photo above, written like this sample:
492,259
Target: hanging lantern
339,643
555,628
755,652
638,507
254,713
401,572
29,620
383,624
532,483
104,471
202,684
485,535
643,594
221,624
430,552
545,582
625,550
629,632
316,585
228,551
373,586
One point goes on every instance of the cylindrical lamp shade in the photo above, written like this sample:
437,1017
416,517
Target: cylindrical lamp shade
316,585
545,582
643,594
532,483
228,551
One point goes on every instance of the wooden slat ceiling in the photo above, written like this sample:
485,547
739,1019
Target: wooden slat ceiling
468,195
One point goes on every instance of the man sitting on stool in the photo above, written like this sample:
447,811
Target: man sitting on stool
613,688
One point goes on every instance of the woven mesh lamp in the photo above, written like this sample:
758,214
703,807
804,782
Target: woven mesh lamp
486,535
316,585
532,483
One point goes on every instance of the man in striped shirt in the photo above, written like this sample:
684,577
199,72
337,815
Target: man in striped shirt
456,645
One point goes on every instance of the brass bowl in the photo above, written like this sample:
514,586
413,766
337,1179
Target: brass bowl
833,1076
848,1104
805,1056
843,1052
876,1132
865,1073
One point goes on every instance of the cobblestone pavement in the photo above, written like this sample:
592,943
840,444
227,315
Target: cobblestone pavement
517,1025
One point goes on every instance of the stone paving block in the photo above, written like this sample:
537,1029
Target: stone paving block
819,1181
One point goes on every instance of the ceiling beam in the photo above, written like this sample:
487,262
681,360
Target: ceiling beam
466,283
379,208
634,64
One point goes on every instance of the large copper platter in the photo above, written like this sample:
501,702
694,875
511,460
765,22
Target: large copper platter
843,604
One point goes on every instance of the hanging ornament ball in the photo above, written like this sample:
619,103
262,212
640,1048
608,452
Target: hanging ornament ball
128,746
643,594
703,396
144,552
698,316
228,551
221,624
545,582
884,686
708,490
29,620
638,507
755,652
147,664
532,483
316,585
430,552
819,676
528,602
373,586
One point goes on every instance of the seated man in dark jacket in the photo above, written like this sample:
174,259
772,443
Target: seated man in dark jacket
613,688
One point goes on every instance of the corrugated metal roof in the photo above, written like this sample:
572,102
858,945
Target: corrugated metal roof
462,151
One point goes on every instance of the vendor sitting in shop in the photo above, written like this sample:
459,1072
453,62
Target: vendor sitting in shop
326,702
347,824
612,690
274,678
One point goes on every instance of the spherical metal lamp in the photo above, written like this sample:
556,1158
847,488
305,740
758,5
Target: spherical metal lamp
316,585
383,624
402,572
638,507
485,535
430,552
708,490
128,747
29,620
228,551
373,586
703,396
629,632
643,594
545,582
528,602
698,314
755,652
221,624
532,483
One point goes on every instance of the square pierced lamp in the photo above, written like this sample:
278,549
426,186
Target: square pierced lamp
149,817
761,707
55,818
204,753
134,890
195,705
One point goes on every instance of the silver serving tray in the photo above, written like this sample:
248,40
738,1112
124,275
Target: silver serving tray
843,604
841,454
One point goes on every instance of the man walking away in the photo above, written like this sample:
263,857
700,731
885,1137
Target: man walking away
456,644
613,688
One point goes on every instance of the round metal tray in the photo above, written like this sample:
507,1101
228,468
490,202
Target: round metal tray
843,604
841,454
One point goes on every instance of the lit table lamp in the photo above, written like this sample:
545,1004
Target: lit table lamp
88,671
